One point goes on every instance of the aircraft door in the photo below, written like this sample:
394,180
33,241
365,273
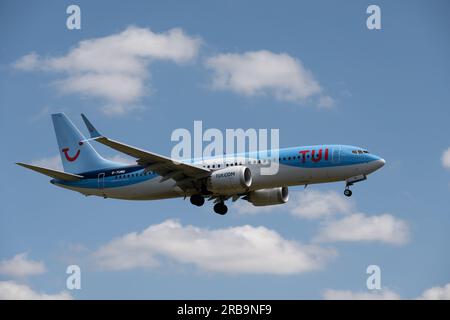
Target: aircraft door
336,154
101,181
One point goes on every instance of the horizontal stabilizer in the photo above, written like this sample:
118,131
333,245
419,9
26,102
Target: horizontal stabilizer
52,173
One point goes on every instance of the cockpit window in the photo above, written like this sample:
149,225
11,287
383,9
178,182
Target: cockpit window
360,151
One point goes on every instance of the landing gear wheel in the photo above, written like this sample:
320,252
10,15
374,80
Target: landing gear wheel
348,192
220,208
197,200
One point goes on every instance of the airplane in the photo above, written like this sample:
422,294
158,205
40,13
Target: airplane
218,178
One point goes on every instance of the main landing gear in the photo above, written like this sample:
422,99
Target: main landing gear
220,208
197,200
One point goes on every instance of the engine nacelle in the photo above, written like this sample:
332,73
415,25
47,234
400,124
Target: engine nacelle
268,197
230,180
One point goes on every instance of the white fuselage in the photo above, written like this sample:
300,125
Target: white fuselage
139,186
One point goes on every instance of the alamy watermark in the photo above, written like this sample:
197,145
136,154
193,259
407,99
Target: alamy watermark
73,21
236,146
373,22
73,281
374,280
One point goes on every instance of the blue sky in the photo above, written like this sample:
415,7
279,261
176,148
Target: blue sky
388,91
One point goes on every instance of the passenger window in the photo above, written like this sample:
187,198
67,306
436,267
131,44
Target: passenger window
354,151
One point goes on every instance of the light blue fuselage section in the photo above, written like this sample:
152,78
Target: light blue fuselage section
296,166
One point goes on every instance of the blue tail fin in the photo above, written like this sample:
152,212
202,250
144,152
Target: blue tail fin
77,154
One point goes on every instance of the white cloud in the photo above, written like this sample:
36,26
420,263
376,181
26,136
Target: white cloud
359,227
27,62
311,204
326,206
264,72
385,294
10,290
236,250
49,162
326,102
307,204
446,158
21,266
437,293
115,67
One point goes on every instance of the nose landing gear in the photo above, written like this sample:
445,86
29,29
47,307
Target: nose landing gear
352,180
347,192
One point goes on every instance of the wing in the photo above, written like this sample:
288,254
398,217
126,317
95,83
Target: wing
52,173
185,175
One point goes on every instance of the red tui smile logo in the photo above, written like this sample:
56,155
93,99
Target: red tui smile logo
69,158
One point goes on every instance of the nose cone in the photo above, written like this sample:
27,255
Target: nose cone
380,162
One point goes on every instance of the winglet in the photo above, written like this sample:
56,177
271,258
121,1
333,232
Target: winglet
92,131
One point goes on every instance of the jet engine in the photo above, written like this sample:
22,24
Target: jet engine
268,197
231,180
